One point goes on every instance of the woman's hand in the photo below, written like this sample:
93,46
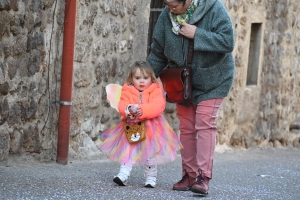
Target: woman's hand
188,30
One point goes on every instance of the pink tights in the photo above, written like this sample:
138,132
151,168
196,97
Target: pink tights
198,136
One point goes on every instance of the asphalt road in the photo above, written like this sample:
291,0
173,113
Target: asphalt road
237,174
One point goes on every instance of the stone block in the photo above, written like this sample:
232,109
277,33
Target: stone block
116,28
92,99
7,45
82,77
4,88
243,20
16,142
87,126
98,73
14,5
4,111
235,139
249,142
98,28
23,65
14,114
3,68
29,22
35,61
5,5
31,141
296,143
114,67
36,6
28,109
83,48
102,72
4,145
122,46
104,118
91,16
34,40
107,27
15,26
12,67
49,3
20,46
44,20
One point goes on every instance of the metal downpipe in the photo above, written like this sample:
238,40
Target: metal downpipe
66,82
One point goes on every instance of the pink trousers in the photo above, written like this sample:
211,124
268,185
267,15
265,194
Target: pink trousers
198,133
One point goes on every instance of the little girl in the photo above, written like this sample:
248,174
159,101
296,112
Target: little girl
141,100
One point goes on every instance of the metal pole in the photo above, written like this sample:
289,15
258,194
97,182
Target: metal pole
66,82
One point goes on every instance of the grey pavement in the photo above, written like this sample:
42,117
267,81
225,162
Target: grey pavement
237,174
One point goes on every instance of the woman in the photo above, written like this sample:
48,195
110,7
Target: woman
208,24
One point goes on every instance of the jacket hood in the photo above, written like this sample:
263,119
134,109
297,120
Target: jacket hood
200,11
133,90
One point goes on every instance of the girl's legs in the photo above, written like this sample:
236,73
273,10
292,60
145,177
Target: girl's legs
123,175
151,172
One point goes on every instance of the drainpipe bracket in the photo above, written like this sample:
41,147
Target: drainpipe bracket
65,103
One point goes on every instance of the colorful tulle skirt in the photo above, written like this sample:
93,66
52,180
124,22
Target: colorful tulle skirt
161,143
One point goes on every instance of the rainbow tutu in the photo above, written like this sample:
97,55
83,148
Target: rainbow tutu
161,143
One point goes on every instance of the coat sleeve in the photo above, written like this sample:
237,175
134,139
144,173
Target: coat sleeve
156,105
220,36
124,101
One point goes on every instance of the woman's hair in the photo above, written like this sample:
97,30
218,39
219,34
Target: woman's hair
145,69
180,1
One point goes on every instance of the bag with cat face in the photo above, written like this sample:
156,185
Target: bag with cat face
135,132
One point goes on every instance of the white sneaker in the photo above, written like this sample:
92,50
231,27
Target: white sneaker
123,175
150,182
150,173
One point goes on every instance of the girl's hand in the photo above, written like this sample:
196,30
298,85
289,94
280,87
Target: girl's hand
188,30
133,108
139,112
132,111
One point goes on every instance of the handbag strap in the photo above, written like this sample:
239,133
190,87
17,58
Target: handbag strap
190,51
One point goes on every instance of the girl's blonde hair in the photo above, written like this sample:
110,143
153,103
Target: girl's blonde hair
145,69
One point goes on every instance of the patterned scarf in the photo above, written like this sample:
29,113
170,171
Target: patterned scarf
177,20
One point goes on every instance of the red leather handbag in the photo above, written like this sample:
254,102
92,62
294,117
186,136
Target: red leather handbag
177,81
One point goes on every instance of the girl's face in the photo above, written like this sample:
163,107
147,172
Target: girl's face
176,7
141,81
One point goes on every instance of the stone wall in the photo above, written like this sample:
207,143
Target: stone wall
260,115
30,62
110,36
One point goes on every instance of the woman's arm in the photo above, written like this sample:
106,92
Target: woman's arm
220,36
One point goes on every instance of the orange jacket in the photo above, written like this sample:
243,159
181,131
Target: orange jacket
152,100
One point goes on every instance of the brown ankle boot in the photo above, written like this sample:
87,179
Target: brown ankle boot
185,183
201,185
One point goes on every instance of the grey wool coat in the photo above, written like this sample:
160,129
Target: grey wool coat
213,65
